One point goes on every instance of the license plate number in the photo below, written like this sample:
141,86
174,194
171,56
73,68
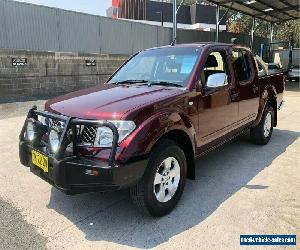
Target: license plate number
40,160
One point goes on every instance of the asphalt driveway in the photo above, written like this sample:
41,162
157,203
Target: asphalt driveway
239,189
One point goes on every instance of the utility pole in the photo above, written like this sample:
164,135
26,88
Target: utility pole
271,32
217,22
252,32
174,21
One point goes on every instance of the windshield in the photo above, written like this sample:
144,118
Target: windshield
164,65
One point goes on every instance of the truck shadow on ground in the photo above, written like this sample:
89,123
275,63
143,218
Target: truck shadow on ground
220,174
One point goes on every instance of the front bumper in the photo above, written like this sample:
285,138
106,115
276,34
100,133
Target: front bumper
70,174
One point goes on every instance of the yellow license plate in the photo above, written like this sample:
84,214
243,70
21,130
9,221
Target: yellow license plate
40,160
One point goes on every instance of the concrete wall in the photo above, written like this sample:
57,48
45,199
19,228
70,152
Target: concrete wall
49,73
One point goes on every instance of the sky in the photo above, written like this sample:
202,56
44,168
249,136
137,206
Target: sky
96,7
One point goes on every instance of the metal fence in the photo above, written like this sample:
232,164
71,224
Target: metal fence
32,27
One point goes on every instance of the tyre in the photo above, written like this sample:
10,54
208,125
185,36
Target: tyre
261,134
163,182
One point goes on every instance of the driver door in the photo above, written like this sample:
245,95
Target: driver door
218,106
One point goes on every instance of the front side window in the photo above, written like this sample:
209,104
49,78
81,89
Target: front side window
241,61
173,65
215,63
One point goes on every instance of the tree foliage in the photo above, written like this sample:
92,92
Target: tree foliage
289,30
238,22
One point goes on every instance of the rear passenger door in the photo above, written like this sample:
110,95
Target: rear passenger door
247,82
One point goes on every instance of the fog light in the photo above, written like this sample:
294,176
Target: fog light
54,140
30,133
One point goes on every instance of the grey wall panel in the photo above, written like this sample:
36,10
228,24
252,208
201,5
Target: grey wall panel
3,31
29,27
116,37
32,27
148,38
78,32
164,36
188,36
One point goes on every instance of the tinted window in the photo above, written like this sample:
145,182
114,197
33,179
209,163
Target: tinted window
173,64
273,66
242,64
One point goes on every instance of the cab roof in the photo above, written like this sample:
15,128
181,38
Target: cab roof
200,45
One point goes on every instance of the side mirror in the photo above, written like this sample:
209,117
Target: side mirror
216,80
198,86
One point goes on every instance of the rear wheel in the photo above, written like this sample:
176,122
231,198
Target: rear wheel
163,182
261,134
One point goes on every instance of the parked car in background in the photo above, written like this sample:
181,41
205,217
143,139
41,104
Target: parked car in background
274,68
294,73
144,127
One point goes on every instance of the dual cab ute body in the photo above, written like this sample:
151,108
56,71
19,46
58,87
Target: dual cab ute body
144,127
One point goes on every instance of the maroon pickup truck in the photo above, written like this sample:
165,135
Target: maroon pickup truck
145,126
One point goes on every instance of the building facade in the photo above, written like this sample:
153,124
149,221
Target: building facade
196,16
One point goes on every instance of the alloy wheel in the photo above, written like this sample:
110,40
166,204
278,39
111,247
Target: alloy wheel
268,124
166,180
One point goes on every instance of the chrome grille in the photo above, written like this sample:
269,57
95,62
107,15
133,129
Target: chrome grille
88,135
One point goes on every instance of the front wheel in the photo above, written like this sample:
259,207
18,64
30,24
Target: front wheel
261,134
163,182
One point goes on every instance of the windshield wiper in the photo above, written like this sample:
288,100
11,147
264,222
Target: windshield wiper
150,83
165,83
130,81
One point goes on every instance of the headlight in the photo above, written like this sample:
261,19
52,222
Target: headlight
54,139
104,135
30,133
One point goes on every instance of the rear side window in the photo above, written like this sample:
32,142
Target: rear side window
241,61
273,67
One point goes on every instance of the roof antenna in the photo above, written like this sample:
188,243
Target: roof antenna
173,42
